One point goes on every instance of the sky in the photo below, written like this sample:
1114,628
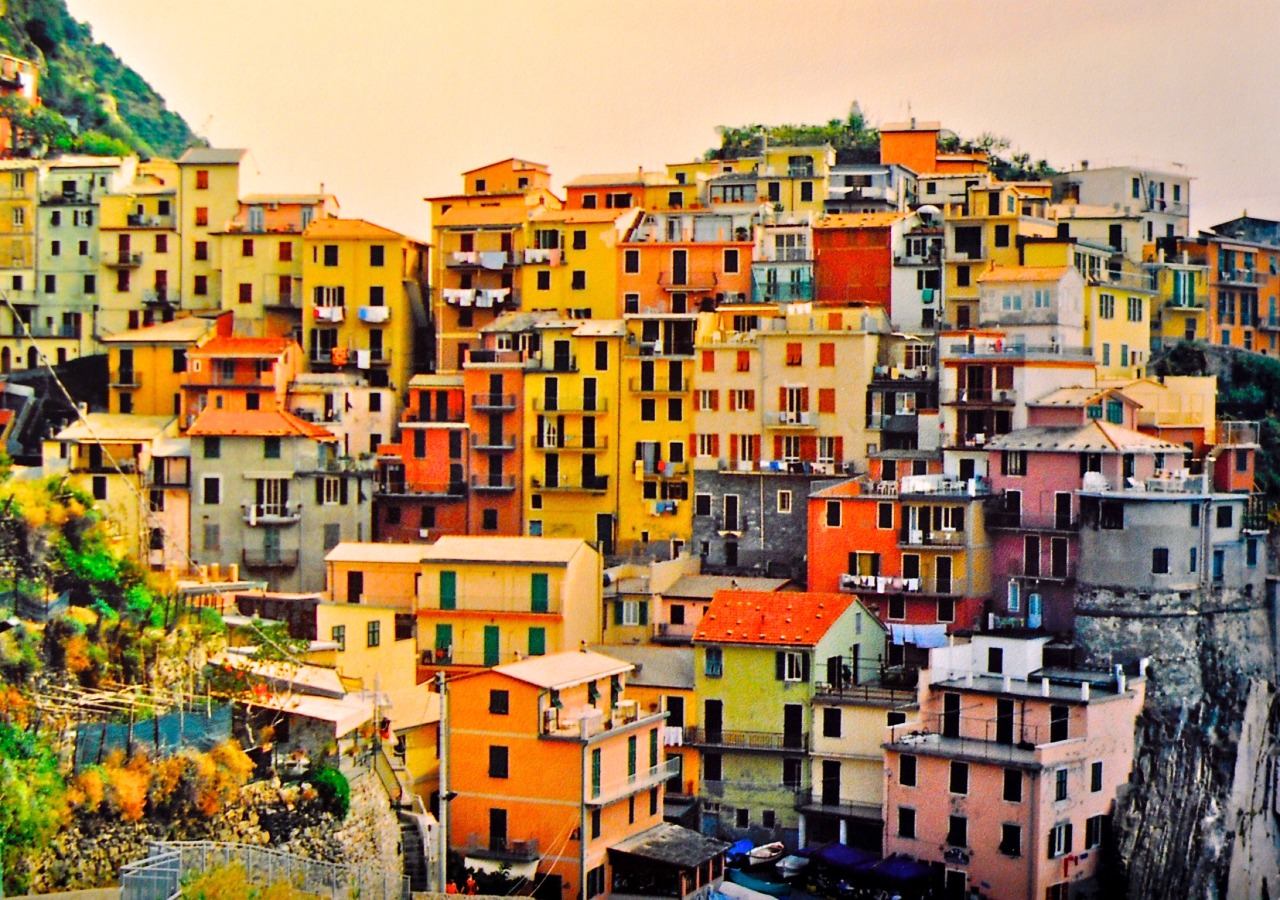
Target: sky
386,102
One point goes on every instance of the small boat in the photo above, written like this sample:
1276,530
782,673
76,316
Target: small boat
764,855
790,866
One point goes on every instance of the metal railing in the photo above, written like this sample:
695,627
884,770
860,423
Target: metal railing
492,401
749,740
270,559
169,864
640,781
493,482
979,395
270,513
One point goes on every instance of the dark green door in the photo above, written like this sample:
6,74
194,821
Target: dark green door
491,645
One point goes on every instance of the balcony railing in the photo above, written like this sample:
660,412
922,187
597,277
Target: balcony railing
788,418
980,396
894,584
569,405
658,349
455,490
493,443
270,559
990,737
1000,350
781,291
750,740
494,483
694,282
143,221
664,385
643,780
128,378
944,486
1240,276
123,261
671,633
155,297
594,485
37,330
288,301
271,513
502,849
569,442
999,519
540,362
493,402
915,537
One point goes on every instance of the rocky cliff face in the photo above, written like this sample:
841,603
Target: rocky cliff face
1198,812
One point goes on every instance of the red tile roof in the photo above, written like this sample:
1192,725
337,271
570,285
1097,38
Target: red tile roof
256,423
771,618
241,346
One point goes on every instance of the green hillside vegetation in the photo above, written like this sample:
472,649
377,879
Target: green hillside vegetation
856,141
92,101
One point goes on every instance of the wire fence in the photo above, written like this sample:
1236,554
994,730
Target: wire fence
172,863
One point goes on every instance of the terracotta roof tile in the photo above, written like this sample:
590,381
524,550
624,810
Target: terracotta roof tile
773,619
1003,274
338,229
256,423
241,346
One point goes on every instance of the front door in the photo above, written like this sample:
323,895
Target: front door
560,353
491,645
1062,510
793,726
713,720
355,586
604,532
942,567
679,266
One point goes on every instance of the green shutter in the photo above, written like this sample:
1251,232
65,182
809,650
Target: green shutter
644,612
448,590
617,613
537,641
595,773
444,637
538,590
653,747
631,756
491,644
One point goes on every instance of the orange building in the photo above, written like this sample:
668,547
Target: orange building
674,263
239,373
589,830
915,145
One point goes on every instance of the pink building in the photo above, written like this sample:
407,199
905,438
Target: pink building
1078,437
1006,781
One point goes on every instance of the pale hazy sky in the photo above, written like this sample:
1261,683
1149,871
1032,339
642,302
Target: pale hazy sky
387,101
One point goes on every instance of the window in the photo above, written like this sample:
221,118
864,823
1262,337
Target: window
1013,463
713,662
1059,784
962,273
578,280
791,773
792,666
200,285
1059,842
702,504
1002,236
959,780
1095,776
631,261
795,354
1251,553
544,280
731,261
338,634
958,831
579,239
377,255
1093,831
595,881
1106,306
498,761
286,251
489,519
55,248
332,535
827,400
448,590
212,536
202,216
211,490
330,255
995,660
675,409
907,770
51,284
897,606
202,179
1160,561
833,514
906,822
768,818
373,633
1224,517
784,502
648,410
1012,786
1058,723
1011,840
742,818
744,361
831,722
1135,309
271,448
246,293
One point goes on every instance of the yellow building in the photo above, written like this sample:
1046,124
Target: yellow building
1182,299
18,193
377,574
983,231
488,600
109,456
139,252
793,180
260,254
362,300
209,191
147,366
574,397
571,261
375,646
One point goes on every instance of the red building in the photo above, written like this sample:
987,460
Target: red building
853,258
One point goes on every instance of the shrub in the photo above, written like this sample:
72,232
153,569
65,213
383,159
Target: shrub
334,790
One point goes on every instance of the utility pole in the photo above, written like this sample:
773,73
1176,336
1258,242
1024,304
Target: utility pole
442,876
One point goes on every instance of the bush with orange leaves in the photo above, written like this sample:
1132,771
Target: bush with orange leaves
128,783
86,791
217,776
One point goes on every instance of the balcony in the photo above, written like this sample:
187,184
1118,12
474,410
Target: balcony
943,485
502,849
36,330
540,363
998,349
587,722
979,397
542,256
570,442
646,349
142,221
788,418
915,259
691,282
975,737
750,740
374,315
894,584
1240,277
493,483
999,519
161,297
915,537
283,302
123,261
671,633
331,314
482,259
831,803
492,402
643,780
566,405
781,291
257,514
662,385
392,487
65,198
598,484
493,443
462,259
125,378
270,559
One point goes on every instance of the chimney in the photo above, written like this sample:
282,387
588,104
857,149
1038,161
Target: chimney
1044,687
1084,690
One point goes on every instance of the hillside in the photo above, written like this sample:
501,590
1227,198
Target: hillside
93,102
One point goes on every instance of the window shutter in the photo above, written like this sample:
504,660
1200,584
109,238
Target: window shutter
342,490
617,612
1068,842
319,491
959,518
1049,843
839,449
733,401
733,448
804,399
693,446
777,446
715,401
808,448
780,665
782,398
644,612
715,445
804,666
